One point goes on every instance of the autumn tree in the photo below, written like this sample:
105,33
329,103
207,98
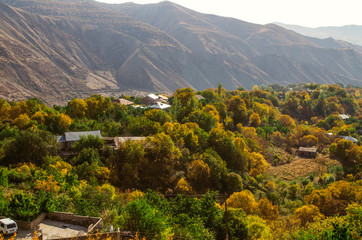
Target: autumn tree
308,214
266,209
77,108
199,176
244,200
255,120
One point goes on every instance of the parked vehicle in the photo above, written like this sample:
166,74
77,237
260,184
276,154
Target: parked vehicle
8,226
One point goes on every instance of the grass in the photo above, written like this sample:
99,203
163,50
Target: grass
302,167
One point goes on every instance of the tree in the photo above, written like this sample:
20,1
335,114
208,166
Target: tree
266,210
307,214
218,170
257,164
77,108
157,115
233,182
22,206
183,187
255,120
244,200
199,176
22,121
30,146
89,141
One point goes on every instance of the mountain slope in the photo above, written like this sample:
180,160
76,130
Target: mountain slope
349,33
58,50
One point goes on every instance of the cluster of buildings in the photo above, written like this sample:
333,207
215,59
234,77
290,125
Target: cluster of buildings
151,101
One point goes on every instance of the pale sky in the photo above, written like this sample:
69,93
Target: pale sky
308,13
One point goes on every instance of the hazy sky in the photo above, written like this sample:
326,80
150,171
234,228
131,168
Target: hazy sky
309,13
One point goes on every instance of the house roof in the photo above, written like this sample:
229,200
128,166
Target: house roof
305,149
123,101
153,96
75,136
343,116
348,138
61,139
160,105
199,97
163,97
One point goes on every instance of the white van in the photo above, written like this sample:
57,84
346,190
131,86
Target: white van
8,226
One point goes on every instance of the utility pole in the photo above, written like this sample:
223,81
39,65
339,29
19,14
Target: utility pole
226,219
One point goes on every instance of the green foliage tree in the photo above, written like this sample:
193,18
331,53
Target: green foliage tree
30,146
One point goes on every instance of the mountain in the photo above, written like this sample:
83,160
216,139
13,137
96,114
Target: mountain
57,50
348,33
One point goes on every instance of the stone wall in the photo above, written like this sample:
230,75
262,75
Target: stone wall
30,225
83,221
102,236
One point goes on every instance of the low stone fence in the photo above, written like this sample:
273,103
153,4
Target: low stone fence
31,225
102,236
92,223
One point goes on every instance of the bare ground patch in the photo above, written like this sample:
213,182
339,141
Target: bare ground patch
301,167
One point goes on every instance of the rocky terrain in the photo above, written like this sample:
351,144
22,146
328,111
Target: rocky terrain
57,50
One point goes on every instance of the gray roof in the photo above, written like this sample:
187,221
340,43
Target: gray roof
61,139
75,136
348,138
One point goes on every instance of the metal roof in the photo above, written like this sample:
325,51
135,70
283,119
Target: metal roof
348,138
61,139
75,136
160,105
153,96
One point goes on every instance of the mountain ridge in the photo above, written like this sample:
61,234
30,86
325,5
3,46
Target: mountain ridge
70,49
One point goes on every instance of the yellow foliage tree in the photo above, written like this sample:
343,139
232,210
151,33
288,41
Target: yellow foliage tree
22,121
255,120
308,213
4,109
77,108
257,164
244,200
287,121
64,122
199,175
308,141
183,187
267,210
40,117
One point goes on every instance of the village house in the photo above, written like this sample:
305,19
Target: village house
123,101
68,138
160,105
152,99
308,152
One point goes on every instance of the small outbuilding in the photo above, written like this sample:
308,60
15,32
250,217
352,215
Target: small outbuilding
308,152
68,138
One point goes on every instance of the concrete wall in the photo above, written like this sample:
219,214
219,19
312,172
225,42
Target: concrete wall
83,221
